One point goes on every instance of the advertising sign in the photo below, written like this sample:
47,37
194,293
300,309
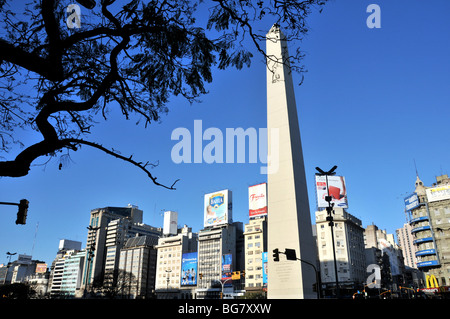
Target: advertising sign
41,268
411,202
189,269
438,193
217,208
257,200
338,191
264,268
227,268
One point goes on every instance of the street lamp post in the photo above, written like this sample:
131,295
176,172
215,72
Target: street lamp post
90,256
222,283
329,218
168,271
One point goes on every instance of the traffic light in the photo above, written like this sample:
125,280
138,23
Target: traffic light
22,213
276,255
290,254
201,276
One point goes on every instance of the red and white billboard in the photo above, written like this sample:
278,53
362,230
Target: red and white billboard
257,200
337,189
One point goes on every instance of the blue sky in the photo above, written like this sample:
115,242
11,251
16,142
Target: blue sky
372,102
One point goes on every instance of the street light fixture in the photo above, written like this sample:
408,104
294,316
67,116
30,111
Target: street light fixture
329,218
90,255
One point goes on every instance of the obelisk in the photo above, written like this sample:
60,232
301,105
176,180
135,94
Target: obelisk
289,220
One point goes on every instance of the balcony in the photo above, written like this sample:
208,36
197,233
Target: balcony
418,219
422,240
421,228
429,263
426,252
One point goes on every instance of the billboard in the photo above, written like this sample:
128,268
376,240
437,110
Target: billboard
41,268
438,193
189,269
257,200
338,191
217,209
264,268
227,261
411,202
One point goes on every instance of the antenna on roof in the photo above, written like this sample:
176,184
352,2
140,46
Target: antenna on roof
417,174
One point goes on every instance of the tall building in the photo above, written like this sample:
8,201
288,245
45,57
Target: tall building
176,268
217,259
118,232
430,223
289,223
405,240
255,235
67,269
136,268
391,255
109,228
349,249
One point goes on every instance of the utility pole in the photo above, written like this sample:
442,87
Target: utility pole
329,218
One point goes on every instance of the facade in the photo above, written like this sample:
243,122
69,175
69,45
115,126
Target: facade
430,223
170,281
391,256
137,266
66,273
217,259
109,228
118,232
405,240
349,247
255,235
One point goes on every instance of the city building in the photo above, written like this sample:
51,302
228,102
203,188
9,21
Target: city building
176,268
217,259
406,242
349,250
136,268
255,243
118,232
429,209
67,270
391,256
66,278
108,230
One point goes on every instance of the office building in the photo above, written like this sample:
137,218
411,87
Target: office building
118,232
176,268
430,222
66,273
391,256
405,240
217,259
136,268
109,228
349,249
255,235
